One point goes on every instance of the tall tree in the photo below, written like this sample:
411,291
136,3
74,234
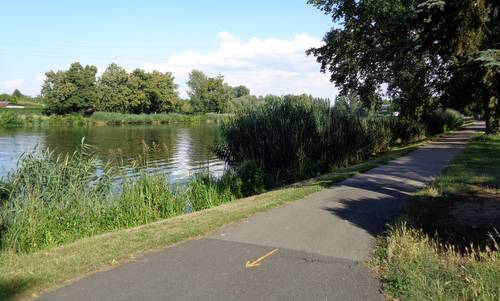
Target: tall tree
69,91
240,91
197,83
162,91
465,36
371,44
413,47
16,96
208,94
114,91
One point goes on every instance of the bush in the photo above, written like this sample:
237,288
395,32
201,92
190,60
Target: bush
251,177
406,130
441,121
10,119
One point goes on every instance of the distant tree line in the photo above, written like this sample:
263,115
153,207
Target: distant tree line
17,97
79,89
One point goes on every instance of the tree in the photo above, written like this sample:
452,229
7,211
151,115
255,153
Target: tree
114,91
412,47
197,83
162,91
208,94
16,96
138,92
465,36
217,95
240,91
373,44
69,91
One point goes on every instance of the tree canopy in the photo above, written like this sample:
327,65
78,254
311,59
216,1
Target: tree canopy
410,50
209,94
77,89
70,91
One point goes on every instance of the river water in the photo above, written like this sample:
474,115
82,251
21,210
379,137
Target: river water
176,150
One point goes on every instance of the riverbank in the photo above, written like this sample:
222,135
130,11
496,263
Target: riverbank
445,246
33,117
23,275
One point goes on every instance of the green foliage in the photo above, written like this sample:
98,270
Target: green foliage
251,178
69,91
407,130
114,92
137,92
246,102
476,82
417,49
204,191
51,200
10,119
417,260
240,91
299,137
208,94
441,121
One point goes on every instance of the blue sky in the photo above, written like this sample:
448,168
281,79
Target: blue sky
257,43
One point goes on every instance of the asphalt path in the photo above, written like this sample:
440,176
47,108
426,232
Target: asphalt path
312,249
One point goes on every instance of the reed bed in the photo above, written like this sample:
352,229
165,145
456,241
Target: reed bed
51,200
299,137
27,117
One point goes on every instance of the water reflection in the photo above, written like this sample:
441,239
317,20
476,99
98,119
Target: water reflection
177,150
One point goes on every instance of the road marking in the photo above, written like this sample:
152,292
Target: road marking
257,262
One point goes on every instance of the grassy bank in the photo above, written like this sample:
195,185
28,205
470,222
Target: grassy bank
33,117
25,274
446,245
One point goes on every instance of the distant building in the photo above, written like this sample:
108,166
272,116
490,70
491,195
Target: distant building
8,105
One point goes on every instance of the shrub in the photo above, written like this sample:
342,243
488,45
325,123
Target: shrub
251,178
441,121
10,119
406,130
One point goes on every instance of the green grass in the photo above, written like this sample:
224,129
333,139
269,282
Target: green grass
24,275
418,259
51,200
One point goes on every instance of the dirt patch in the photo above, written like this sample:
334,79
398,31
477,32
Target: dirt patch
469,218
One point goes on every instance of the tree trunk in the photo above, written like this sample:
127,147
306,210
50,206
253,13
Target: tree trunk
492,115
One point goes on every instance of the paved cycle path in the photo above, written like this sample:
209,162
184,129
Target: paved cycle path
312,249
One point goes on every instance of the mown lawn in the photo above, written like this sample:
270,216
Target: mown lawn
446,245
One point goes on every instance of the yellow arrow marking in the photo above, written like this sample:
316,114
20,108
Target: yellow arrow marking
257,262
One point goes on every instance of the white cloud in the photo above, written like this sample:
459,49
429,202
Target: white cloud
11,84
266,66
40,78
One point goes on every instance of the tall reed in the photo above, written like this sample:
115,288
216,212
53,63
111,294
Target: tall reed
297,137
52,199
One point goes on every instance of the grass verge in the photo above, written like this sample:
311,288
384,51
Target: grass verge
445,246
25,275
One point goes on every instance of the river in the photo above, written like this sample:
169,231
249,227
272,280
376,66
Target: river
176,150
